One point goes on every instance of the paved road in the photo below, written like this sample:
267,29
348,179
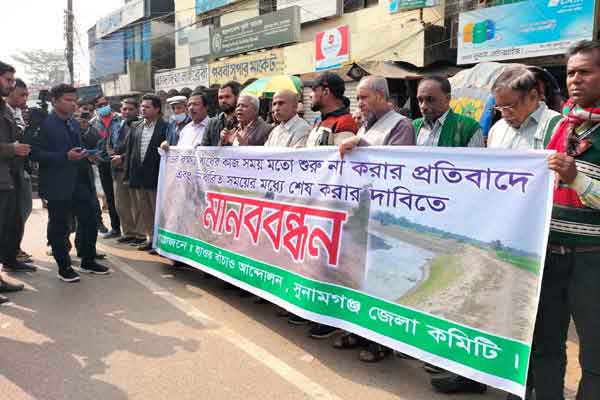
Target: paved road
149,331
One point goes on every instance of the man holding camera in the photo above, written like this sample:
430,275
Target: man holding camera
66,183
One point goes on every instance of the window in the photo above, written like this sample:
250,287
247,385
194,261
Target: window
215,21
355,5
267,6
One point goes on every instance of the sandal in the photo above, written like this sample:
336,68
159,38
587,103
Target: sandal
349,341
374,353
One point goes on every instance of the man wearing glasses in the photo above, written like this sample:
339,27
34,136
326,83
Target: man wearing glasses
527,122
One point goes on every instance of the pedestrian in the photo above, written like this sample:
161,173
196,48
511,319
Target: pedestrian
252,130
17,104
383,126
334,124
108,124
291,131
227,97
142,164
65,181
124,195
10,150
179,118
193,133
571,280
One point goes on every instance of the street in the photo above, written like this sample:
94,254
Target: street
149,331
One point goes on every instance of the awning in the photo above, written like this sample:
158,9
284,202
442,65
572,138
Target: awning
399,70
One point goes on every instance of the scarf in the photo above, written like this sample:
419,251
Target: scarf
567,140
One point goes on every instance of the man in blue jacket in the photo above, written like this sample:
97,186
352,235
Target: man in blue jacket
65,181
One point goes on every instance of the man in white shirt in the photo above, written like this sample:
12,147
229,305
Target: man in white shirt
292,130
193,133
527,123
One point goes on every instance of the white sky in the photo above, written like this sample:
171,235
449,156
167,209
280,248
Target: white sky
38,24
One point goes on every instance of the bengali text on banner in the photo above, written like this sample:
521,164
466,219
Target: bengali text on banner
434,252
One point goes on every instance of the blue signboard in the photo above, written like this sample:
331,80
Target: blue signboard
203,6
524,29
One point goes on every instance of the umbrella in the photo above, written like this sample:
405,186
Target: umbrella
268,85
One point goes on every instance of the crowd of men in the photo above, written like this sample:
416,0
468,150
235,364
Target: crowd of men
124,149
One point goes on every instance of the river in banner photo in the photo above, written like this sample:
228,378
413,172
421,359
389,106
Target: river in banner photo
431,270
384,276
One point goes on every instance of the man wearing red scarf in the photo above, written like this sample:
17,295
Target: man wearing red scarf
571,281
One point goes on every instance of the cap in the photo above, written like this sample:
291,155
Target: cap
332,81
176,100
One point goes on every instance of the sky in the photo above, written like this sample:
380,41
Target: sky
38,24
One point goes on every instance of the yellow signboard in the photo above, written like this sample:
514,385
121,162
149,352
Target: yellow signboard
242,68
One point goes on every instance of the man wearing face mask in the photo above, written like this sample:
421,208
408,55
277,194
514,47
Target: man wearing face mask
108,125
178,120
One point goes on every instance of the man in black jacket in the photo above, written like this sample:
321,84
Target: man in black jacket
124,196
228,98
142,164
65,181
10,149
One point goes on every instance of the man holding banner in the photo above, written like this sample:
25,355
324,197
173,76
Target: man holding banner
383,126
571,281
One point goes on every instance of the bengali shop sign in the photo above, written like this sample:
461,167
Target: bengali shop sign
398,245
523,29
242,68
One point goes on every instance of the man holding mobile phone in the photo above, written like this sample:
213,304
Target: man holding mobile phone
65,181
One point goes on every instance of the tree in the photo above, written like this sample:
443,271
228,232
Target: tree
44,67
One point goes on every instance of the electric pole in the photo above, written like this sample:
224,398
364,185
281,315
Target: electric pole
69,39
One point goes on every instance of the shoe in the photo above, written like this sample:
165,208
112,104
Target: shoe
146,246
457,384
7,287
68,275
125,239
94,268
137,242
24,258
296,320
4,300
322,331
98,256
102,228
283,313
432,369
153,252
111,234
20,267
23,253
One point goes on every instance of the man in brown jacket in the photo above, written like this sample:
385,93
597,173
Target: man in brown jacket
10,149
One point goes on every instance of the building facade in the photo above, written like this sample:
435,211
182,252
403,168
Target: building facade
129,44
